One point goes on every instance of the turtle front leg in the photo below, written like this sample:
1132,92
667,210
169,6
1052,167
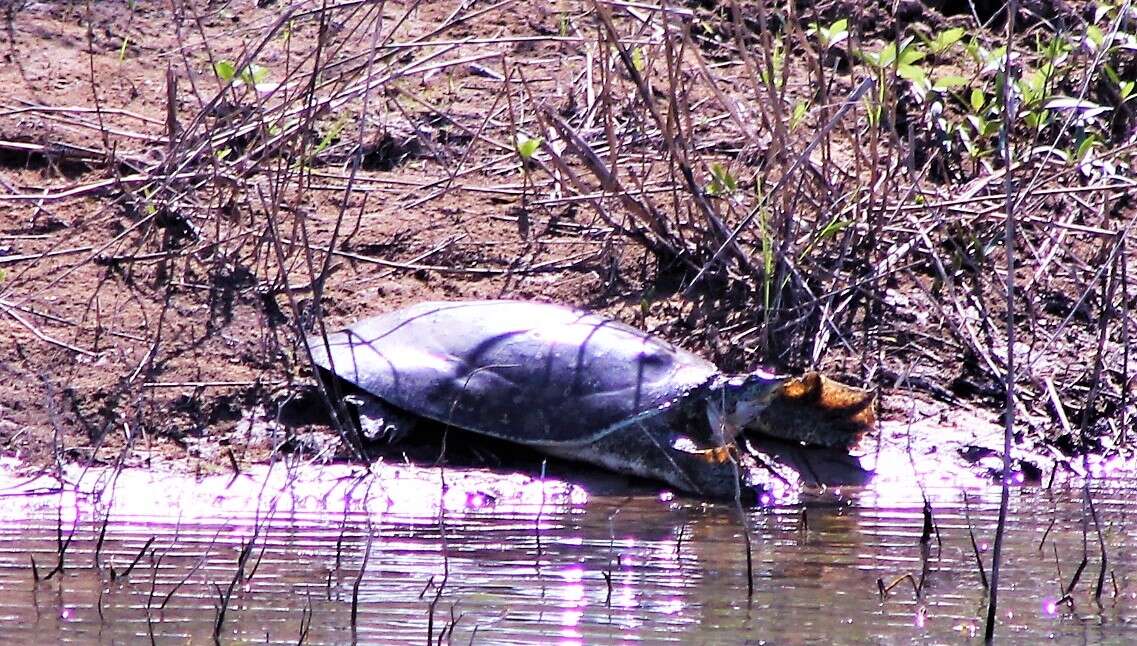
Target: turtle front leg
714,473
378,421
648,454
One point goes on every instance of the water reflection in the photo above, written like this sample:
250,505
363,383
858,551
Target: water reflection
508,558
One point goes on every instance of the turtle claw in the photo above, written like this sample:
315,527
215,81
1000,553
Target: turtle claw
717,455
814,409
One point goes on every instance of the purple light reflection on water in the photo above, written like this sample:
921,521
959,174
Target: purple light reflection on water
478,500
572,603
671,606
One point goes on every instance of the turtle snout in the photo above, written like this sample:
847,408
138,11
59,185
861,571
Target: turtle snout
814,409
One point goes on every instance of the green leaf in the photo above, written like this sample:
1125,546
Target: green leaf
880,59
1111,74
912,73
887,55
978,123
527,147
638,60
977,100
253,74
800,109
1085,148
910,53
946,40
1095,36
974,49
1127,89
834,34
722,181
331,135
833,228
950,82
1034,119
225,70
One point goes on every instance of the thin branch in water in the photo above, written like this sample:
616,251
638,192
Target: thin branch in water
358,582
1009,247
885,589
974,544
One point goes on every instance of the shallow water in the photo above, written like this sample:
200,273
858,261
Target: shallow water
490,558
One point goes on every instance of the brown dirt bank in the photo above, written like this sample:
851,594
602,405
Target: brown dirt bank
186,191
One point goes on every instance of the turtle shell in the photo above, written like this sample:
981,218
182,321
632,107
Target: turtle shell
527,372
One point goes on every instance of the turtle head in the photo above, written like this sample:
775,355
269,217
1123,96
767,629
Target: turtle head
812,409
738,402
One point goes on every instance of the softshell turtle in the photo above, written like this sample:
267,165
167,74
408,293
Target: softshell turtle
581,386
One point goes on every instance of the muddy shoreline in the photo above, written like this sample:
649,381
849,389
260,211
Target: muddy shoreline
172,227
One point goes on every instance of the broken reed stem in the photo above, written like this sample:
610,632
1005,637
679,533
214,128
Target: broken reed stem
974,544
885,589
1009,247
1109,283
223,598
745,521
537,521
1046,534
358,581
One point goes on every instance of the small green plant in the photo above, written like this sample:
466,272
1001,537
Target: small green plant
801,108
331,134
773,75
829,230
830,36
250,75
639,60
766,234
722,183
527,147
1033,89
943,42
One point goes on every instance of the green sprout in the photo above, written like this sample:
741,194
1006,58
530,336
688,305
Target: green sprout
722,181
332,134
527,147
800,110
944,41
832,35
639,61
251,74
